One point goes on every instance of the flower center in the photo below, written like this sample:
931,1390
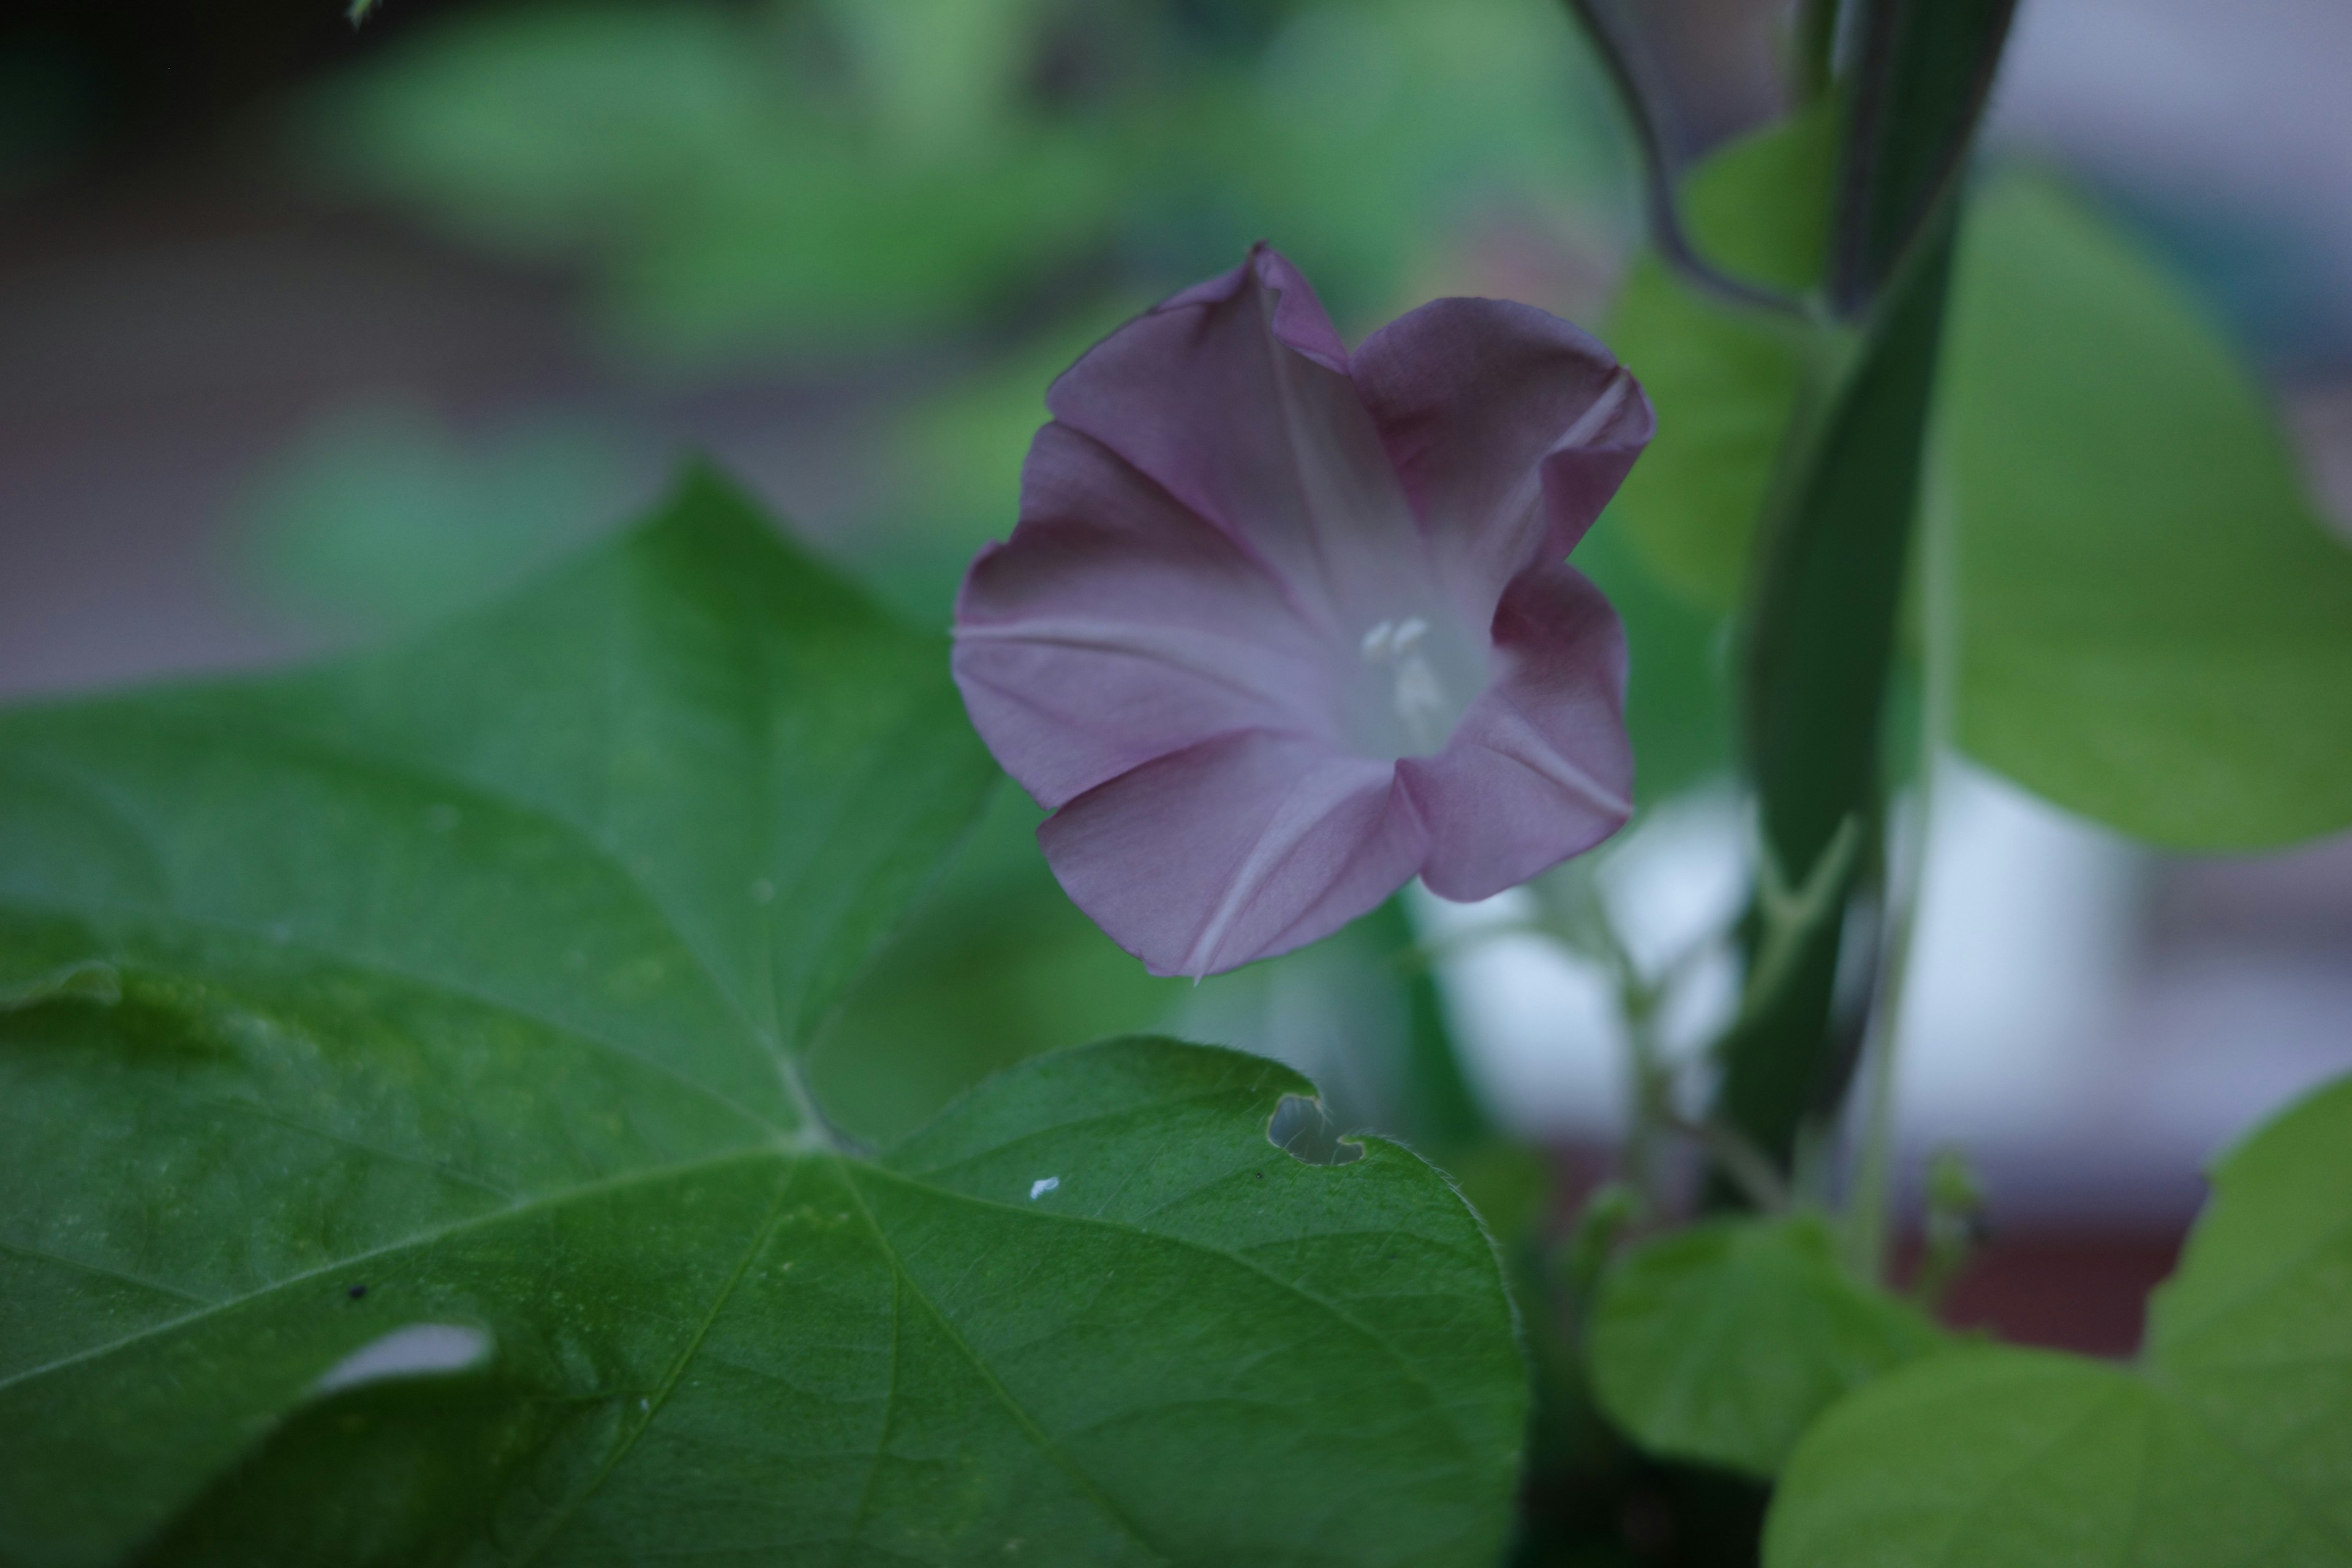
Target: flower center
1417,696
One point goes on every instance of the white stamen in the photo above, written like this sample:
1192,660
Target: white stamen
1418,697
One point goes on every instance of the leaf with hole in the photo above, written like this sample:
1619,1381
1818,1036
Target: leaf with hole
2229,1446
405,1157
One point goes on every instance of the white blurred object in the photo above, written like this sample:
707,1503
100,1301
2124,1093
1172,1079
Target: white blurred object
2086,1067
1539,1025
2244,101
2084,1071
1679,877
2227,126
2024,956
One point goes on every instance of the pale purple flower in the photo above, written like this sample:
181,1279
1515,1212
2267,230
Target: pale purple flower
1282,626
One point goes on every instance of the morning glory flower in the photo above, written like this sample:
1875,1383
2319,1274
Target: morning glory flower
1282,626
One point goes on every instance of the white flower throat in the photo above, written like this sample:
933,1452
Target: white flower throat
1417,695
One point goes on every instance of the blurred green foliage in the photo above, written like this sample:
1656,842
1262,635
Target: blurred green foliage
382,516
829,176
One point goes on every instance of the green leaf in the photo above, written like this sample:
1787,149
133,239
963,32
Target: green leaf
823,178
2155,629
2254,1332
997,965
671,796
2031,1460
380,517
1723,1342
403,1155
994,966
2230,1445
1724,379
736,183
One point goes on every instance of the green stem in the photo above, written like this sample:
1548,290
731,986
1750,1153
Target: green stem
1832,553
1870,1199
1820,641
1813,48
1650,1110
1922,73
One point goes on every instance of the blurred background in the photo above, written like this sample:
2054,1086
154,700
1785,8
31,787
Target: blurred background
311,332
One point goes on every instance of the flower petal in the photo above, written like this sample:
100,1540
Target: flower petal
1114,627
1509,430
1239,848
1539,769
1235,396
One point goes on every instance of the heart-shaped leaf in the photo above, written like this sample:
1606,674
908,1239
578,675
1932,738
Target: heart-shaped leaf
404,1156
2230,1445
1721,1343
2155,629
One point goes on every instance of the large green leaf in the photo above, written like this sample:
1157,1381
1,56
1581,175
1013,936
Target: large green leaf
403,1160
2230,1445
995,965
2156,630
1721,1343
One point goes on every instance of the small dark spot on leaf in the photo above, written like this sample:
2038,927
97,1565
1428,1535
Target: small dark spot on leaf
1300,1129
356,1291
1259,1174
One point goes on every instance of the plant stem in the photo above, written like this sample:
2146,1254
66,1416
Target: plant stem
1819,633
1813,39
1922,73
1870,1193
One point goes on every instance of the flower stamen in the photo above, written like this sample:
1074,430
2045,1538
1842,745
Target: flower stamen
1418,697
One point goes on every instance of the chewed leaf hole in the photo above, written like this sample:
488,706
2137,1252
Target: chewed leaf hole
1301,1128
